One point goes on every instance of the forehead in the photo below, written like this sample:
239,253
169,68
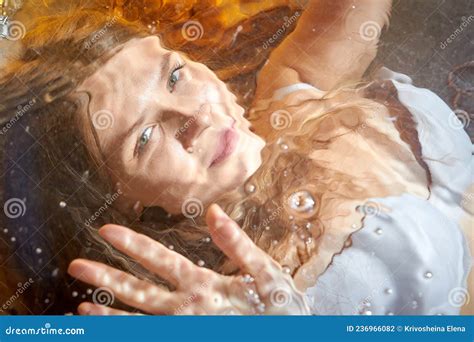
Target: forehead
122,85
126,68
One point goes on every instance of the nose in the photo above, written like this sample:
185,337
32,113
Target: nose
192,126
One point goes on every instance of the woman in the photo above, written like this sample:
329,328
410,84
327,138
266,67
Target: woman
342,163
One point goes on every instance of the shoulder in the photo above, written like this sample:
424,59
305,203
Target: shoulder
284,108
408,259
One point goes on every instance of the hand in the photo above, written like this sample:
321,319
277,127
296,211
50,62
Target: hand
262,288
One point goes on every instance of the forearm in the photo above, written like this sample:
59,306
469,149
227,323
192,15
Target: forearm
327,47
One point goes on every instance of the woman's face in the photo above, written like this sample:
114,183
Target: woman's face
168,128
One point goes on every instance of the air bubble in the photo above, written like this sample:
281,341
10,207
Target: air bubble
302,202
250,188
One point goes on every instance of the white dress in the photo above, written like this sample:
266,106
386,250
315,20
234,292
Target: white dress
412,259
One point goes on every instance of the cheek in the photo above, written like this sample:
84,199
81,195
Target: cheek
172,167
211,94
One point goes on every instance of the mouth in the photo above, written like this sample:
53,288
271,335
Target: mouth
226,144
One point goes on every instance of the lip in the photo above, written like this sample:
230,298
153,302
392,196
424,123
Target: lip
227,142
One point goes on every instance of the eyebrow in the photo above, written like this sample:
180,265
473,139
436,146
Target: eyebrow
165,65
133,128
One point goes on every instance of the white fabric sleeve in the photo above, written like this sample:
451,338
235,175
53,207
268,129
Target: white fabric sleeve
408,259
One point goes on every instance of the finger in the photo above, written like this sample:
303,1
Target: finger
155,257
128,289
87,308
233,241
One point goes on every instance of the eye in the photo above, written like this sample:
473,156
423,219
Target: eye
144,139
174,77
